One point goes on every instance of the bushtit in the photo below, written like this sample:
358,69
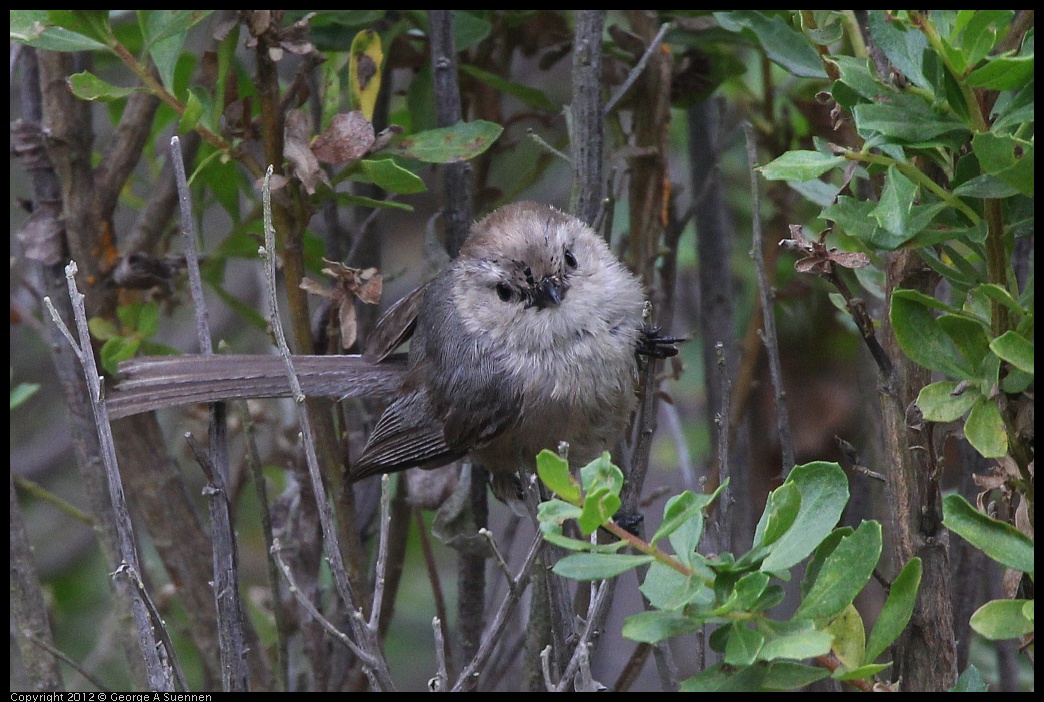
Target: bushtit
528,338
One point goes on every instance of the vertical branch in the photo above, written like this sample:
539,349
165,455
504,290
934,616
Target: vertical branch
28,612
456,176
46,190
231,636
718,343
768,308
925,655
588,126
457,217
158,671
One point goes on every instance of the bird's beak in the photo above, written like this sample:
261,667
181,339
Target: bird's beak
549,293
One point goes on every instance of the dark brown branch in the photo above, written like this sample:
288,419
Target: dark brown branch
770,338
124,150
588,126
457,213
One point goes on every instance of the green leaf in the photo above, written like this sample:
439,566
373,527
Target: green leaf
970,681
905,119
749,589
1002,619
782,44
999,540
392,177
985,186
985,429
742,645
781,509
102,329
599,507
666,588
1007,158
556,511
680,509
896,203
88,86
861,673
553,470
904,49
602,473
825,548
1015,349
786,675
118,349
857,74
795,640
824,494
849,637
655,626
348,199
168,23
22,392
192,114
90,23
843,574
531,96
469,29
598,566
896,612
939,403
968,335
164,32
1003,73
800,165
32,27
921,337
978,37
462,141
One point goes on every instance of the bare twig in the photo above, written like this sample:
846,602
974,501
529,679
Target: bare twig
654,45
374,664
159,672
770,339
231,635
382,553
492,636
69,661
278,610
442,676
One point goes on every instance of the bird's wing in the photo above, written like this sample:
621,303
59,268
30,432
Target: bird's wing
395,326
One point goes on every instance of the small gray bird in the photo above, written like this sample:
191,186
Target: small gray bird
529,338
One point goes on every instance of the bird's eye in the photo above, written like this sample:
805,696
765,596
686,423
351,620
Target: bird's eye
504,291
570,259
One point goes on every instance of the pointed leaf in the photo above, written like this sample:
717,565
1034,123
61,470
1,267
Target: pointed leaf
843,574
824,494
999,540
985,428
896,612
1002,619
922,339
554,471
462,141
940,402
800,165
88,86
1015,349
598,566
